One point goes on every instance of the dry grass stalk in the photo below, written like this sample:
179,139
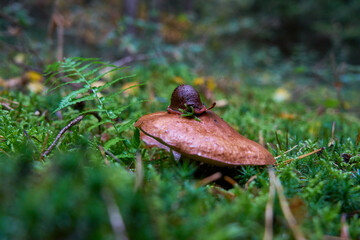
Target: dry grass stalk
116,220
209,179
285,207
269,213
139,174
300,157
249,181
230,180
286,151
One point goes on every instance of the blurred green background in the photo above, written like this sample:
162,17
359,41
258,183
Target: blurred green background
299,46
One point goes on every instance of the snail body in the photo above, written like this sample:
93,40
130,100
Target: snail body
183,97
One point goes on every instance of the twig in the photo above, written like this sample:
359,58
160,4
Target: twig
269,213
300,157
45,142
230,180
4,152
32,143
345,235
337,81
285,206
110,154
278,141
357,138
249,181
72,123
32,136
220,191
116,220
332,140
8,100
287,138
286,151
6,105
104,155
209,179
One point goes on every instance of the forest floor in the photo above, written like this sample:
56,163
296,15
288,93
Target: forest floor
101,182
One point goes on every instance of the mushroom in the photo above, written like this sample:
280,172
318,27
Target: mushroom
210,139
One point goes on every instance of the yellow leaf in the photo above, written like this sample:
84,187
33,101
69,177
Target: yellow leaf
288,116
199,81
178,80
211,84
33,76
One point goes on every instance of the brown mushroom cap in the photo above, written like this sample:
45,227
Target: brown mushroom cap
211,140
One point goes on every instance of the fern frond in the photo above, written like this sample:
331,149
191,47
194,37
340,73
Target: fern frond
125,125
105,73
67,101
99,124
114,81
66,83
112,142
112,96
85,72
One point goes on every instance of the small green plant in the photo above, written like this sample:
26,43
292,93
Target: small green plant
189,112
86,74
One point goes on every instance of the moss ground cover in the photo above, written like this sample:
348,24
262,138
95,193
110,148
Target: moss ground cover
100,182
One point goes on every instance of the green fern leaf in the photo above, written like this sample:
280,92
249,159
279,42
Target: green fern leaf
99,124
112,96
125,125
68,100
114,81
112,142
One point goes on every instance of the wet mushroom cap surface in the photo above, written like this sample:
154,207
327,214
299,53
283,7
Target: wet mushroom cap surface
210,140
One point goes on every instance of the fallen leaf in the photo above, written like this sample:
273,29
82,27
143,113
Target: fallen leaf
210,83
288,116
179,80
298,208
33,76
36,87
131,91
198,81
